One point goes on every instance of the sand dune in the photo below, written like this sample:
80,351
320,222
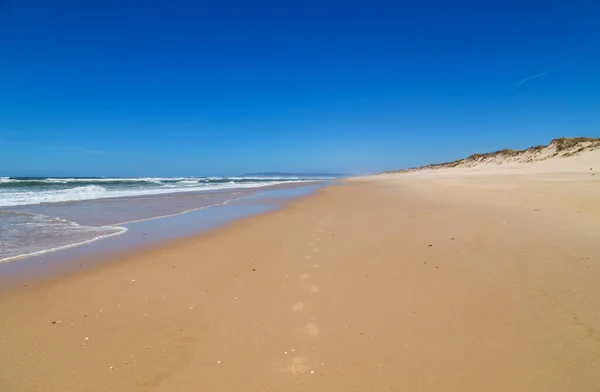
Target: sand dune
563,155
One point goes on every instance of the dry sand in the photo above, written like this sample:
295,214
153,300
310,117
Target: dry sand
431,281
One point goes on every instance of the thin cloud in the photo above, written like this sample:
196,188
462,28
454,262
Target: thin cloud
540,75
102,152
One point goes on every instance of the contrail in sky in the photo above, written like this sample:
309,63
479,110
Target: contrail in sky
550,71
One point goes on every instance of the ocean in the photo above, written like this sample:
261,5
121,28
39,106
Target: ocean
40,215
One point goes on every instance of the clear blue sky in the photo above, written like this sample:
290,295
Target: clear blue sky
174,87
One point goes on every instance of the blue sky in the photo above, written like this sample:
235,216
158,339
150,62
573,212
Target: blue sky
127,88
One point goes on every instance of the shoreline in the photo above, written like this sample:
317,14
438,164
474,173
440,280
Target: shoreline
67,258
32,229
374,284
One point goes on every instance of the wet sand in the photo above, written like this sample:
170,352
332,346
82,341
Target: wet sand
209,213
387,283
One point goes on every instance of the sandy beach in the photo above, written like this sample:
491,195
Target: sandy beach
358,196
449,280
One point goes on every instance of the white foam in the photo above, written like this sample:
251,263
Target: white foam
155,180
91,192
41,252
25,234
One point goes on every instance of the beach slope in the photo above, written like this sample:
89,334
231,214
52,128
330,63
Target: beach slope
422,281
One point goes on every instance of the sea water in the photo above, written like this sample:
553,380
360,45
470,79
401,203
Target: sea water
39,215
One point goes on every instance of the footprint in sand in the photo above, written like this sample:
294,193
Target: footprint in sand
297,366
315,265
315,250
307,257
314,289
311,330
305,276
299,307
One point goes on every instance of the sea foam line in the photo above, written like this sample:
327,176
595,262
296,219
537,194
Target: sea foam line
116,226
122,229
97,192
182,212
41,252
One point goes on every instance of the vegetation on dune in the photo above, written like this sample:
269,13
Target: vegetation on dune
564,143
564,147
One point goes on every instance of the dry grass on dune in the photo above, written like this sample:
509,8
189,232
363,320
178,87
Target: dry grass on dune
558,148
